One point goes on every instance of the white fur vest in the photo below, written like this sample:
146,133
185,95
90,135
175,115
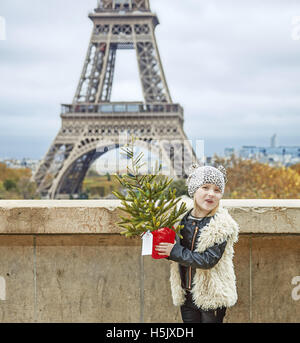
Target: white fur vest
215,287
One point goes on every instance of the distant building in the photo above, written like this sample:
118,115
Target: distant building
23,163
273,155
274,141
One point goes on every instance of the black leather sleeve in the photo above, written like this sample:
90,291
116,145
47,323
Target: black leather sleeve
205,260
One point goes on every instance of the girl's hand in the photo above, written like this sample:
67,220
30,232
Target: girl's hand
164,248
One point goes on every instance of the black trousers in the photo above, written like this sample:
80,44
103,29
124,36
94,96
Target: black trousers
190,313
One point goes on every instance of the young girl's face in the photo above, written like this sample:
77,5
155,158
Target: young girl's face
207,197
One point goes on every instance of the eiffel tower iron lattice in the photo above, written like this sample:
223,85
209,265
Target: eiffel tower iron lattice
92,124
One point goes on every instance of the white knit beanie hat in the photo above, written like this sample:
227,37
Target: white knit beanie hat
201,175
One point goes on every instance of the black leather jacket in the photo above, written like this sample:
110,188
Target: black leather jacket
183,251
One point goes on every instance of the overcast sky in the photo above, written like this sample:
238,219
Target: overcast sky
233,65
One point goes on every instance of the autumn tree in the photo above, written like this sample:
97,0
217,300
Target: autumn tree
296,167
16,183
250,179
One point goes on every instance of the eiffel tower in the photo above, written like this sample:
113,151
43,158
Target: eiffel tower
92,125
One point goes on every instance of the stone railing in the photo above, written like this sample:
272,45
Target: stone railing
65,261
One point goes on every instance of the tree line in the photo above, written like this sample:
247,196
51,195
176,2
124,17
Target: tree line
247,179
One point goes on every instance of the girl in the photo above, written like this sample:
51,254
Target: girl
202,273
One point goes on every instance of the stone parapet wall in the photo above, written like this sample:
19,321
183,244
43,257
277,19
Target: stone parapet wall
65,261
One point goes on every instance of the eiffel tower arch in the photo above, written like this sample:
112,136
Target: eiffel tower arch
92,124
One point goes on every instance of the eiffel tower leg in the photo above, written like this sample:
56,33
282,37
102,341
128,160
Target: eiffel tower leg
44,165
152,79
69,179
104,91
92,76
71,183
180,155
50,166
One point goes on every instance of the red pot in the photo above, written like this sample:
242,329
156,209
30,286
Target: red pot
164,235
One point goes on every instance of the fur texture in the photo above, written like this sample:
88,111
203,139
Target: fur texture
215,287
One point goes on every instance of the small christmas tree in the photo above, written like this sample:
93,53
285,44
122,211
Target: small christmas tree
149,203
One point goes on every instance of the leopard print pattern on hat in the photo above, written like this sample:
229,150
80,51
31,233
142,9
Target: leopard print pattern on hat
206,174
